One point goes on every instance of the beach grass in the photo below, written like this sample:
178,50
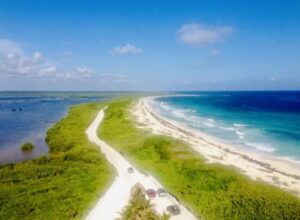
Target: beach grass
63,184
211,191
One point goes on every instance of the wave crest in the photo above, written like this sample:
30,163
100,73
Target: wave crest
260,146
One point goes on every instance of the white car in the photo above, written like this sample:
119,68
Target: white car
161,192
130,170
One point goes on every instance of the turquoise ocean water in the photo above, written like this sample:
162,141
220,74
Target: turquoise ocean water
262,122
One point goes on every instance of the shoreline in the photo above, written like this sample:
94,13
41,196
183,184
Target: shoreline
281,172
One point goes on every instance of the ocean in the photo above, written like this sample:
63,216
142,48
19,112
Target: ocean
261,122
26,116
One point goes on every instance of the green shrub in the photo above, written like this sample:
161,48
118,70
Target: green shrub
140,208
27,147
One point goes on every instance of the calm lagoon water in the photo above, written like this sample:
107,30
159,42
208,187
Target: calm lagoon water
26,116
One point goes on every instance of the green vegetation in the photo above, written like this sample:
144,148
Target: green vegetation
62,185
27,147
140,208
211,191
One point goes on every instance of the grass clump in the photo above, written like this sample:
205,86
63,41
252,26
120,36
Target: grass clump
211,191
62,185
27,147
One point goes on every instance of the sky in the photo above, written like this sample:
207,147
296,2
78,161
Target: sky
71,45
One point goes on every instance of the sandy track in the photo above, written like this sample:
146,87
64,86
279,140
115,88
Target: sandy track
117,196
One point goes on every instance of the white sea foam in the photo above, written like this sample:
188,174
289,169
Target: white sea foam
210,119
187,110
228,128
260,146
240,134
209,124
238,125
165,106
192,119
179,113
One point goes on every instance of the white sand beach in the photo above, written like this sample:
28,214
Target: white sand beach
110,205
276,171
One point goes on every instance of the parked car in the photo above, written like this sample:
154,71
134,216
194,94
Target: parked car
151,193
130,170
161,192
173,210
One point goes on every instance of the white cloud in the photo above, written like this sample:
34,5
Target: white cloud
50,69
38,56
273,79
199,35
127,49
36,70
83,70
9,47
14,62
114,78
66,56
47,71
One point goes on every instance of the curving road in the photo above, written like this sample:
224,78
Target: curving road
109,206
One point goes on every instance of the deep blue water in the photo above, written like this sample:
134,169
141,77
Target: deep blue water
264,122
27,116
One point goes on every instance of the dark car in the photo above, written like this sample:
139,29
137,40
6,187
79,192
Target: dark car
151,193
161,192
173,209
130,170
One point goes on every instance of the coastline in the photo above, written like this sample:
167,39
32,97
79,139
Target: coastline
277,171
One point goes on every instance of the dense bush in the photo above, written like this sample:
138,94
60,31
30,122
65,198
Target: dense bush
27,147
62,185
211,191
140,208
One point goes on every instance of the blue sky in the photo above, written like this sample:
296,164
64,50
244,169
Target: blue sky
149,45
